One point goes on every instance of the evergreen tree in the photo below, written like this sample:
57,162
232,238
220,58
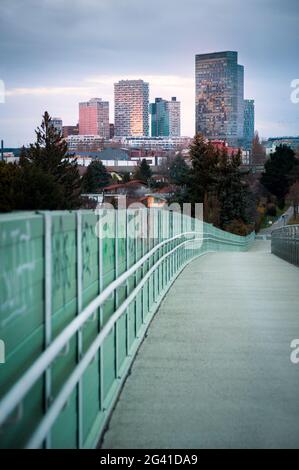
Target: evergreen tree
204,172
143,172
49,155
28,188
276,177
216,180
95,178
178,171
232,191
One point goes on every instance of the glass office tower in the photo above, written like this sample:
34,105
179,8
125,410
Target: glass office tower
165,118
248,123
131,108
219,83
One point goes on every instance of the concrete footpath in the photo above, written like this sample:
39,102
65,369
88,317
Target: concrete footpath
215,369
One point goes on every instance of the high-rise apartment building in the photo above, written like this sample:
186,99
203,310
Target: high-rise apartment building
131,108
165,118
94,118
248,123
219,82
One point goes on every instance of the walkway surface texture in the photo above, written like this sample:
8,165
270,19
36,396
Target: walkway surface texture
215,369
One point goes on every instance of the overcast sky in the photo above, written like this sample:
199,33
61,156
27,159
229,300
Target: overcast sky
55,53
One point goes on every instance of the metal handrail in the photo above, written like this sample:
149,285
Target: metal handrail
285,243
16,394
49,419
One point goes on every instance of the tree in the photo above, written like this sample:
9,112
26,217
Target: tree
143,171
27,188
276,177
178,171
10,180
96,177
48,155
216,180
232,190
203,175
293,198
258,151
126,177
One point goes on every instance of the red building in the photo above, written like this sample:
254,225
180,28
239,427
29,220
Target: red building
94,118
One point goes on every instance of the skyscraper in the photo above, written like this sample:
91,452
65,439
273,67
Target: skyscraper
248,123
94,118
131,108
165,118
174,112
219,83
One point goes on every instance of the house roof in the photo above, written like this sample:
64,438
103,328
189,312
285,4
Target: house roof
113,154
129,184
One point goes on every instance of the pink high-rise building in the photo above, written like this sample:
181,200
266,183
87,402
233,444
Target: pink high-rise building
94,118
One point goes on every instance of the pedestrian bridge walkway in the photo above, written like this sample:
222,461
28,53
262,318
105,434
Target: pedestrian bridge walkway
214,370
79,292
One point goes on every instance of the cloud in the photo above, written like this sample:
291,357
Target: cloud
46,91
55,53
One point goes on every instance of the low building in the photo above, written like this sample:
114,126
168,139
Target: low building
70,130
273,142
155,143
221,144
85,143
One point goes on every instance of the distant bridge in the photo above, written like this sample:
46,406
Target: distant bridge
76,303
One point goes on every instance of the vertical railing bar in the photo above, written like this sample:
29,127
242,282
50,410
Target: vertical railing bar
128,280
101,283
115,293
48,312
136,273
143,267
79,334
150,234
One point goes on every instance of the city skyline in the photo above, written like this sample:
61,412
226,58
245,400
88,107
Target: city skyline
85,61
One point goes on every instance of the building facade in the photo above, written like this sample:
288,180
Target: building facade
155,143
56,122
70,130
219,83
165,118
248,123
85,143
94,118
131,108
111,130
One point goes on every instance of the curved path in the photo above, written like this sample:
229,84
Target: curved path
215,369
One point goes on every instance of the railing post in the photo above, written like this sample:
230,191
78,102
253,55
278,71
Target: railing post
127,283
115,212
100,323
79,334
48,313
